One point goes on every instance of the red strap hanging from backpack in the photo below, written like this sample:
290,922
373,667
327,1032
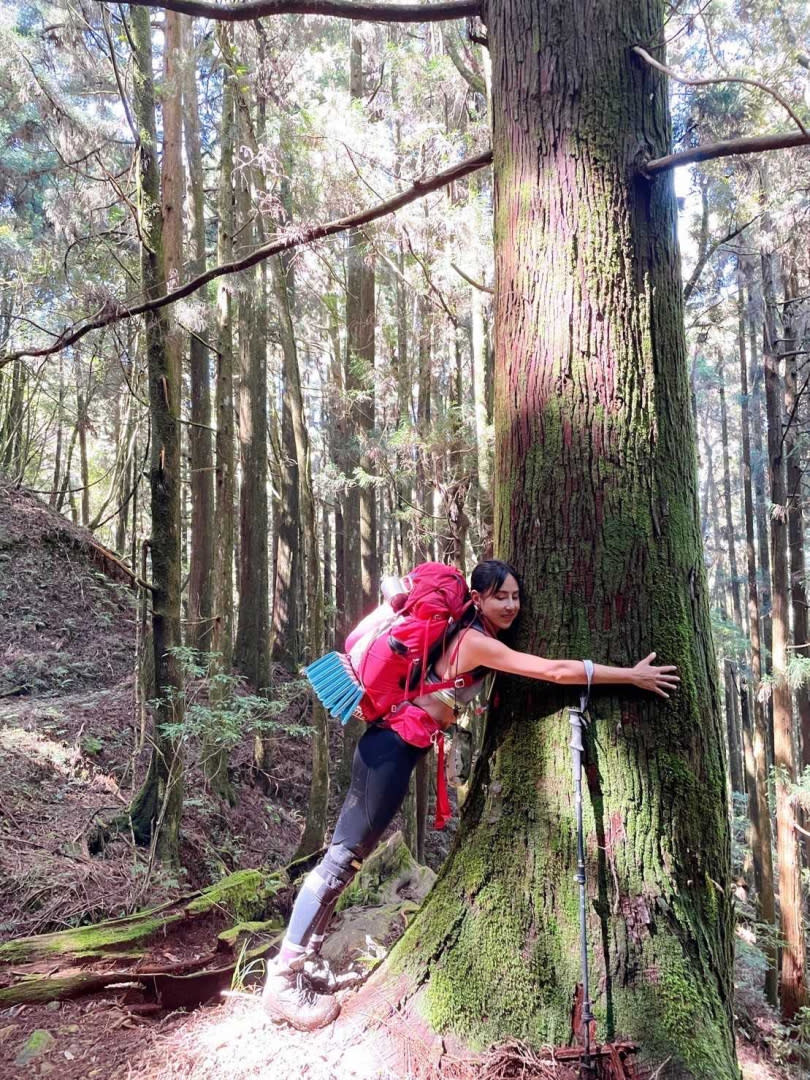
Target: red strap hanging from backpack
443,809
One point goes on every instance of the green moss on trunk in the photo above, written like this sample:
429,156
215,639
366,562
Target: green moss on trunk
595,504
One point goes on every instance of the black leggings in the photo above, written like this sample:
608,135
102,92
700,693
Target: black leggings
381,770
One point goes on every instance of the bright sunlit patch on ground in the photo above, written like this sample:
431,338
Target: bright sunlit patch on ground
237,1041
38,748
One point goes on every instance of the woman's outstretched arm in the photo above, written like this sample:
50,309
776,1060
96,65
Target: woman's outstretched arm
478,650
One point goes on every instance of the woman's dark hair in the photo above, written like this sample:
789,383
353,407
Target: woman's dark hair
487,577
490,575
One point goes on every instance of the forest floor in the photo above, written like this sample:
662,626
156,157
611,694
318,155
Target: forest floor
71,753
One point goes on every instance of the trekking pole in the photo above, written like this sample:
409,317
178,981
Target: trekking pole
577,719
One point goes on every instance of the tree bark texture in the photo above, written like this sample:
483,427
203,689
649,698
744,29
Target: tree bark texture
596,505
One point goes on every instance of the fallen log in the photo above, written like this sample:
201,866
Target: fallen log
238,901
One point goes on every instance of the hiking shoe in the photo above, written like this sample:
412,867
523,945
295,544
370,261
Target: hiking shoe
289,995
319,972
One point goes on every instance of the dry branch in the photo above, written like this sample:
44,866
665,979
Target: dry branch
291,239
755,83
363,10
748,144
755,144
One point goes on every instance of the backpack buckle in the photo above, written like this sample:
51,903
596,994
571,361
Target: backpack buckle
459,683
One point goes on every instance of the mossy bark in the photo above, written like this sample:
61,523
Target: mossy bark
596,505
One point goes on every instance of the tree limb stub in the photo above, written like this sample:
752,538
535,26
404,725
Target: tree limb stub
363,10
292,238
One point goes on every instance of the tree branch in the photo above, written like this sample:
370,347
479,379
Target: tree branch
707,253
291,239
748,144
365,10
475,284
637,49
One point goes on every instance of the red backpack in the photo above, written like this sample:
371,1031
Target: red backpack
386,655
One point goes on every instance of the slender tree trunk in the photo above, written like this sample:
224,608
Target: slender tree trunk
57,456
758,809
200,436
361,569
483,428
360,318
82,422
596,505
288,601
214,755
792,978
731,547
158,805
125,476
252,648
792,968
425,528
66,483
719,593
404,484
794,335
11,433
732,702
335,395
759,473
315,826
287,618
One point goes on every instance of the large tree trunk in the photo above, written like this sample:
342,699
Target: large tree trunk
158,805
758,809
200,439
596,504
791,983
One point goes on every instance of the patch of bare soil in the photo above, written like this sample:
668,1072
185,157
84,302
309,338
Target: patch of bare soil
66,622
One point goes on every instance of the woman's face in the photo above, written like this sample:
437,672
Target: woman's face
499,606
